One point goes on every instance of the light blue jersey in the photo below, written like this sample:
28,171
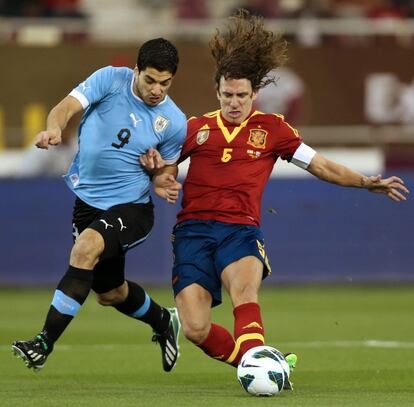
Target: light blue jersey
117,127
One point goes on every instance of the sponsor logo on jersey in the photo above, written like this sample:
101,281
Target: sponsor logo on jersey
257,138
134,119
253,154
74,179
84,86
160,124
202,135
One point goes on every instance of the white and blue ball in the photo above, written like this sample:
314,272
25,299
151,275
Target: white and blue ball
263,371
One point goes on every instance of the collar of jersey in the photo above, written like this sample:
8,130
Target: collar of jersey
136,97
226,133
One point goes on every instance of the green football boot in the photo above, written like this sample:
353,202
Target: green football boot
291,360
168,341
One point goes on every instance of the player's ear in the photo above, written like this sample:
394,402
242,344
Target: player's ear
254,94
218,92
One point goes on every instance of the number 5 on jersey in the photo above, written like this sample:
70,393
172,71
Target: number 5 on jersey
226,157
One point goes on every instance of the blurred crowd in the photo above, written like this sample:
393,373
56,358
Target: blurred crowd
204,9
306,8
41,8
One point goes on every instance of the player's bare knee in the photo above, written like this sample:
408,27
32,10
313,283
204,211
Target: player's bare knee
86,250
84,255
195,333
244,293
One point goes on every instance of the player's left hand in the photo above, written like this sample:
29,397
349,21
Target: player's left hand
393,187
152,160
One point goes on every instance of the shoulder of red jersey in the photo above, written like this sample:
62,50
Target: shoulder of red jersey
272,117
212,114
276,120
197,122
208,115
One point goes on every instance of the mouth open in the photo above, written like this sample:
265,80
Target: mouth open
234,113
154,99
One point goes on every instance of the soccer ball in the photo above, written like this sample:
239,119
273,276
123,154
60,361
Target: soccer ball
263,371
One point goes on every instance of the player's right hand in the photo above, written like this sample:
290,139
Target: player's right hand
152,160
48,137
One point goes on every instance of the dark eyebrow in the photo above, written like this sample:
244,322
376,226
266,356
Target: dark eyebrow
164,82
237,94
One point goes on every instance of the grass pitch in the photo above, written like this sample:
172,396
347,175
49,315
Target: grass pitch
355,347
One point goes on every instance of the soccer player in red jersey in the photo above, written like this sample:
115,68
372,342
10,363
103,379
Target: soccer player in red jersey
217,240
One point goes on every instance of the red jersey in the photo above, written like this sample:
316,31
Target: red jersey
231,164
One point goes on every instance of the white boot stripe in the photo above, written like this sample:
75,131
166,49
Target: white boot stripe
170,347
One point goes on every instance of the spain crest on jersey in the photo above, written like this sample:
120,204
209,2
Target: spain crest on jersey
203,134
257,138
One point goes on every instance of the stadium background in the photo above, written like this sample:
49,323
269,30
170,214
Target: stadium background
314,231
341,293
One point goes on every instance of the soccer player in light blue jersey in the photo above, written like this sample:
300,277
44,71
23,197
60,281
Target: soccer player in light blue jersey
125,113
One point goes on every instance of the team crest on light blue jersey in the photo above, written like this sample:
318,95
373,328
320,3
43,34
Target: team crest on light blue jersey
160,124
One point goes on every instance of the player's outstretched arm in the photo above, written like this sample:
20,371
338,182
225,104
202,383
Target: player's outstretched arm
335,173
57,120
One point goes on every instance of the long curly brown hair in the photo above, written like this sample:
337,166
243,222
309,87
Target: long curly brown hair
246,50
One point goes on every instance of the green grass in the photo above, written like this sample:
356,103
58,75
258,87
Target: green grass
105,359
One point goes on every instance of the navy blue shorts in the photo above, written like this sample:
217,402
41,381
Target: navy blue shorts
203,249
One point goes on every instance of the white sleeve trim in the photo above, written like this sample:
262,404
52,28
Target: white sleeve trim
303,156
81,97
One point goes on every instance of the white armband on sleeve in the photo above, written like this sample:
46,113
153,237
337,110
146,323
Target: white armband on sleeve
303,156
79,96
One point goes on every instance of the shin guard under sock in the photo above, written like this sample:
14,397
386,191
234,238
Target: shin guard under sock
141,306
70,294
220,345
248,326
